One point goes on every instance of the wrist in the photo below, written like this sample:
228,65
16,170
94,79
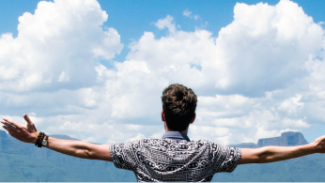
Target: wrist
311,148
42,140
317,148
34,137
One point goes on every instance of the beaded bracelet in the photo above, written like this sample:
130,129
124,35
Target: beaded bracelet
39,140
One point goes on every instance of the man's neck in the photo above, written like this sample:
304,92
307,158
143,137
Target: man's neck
167,130
185,131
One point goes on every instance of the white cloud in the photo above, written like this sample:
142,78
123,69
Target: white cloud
57,47
262,75
166,23
188,13
63,77
265,48
291,105
255,67
211,133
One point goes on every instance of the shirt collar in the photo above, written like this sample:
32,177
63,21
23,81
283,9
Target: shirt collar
175,135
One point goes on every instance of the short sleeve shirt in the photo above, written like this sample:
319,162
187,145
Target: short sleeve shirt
169,160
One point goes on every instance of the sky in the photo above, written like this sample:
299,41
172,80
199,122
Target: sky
95,70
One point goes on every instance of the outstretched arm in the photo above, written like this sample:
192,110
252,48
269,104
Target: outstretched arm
75,148
80,149
277,153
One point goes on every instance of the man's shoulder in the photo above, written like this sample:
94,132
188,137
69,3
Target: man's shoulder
167,143
169,146
169,140
154,140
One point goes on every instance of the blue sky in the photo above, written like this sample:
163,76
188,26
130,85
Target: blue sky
95,69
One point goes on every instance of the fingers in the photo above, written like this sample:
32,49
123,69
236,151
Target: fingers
11,131
12,123
30,125
9,127
18,131
6,123
28,120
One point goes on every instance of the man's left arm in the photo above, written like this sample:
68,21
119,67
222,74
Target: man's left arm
269,154
80,149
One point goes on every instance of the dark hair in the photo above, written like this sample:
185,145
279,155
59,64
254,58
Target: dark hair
179,103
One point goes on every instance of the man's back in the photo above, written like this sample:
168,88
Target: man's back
167,160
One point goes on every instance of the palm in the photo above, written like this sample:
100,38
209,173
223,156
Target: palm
23,133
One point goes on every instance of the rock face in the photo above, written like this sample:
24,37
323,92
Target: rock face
286,139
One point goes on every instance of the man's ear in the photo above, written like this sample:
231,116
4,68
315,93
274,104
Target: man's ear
193,119
163,116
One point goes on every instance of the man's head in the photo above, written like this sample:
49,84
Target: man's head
179,104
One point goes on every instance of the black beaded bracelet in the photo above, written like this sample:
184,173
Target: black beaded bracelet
38,137
39,140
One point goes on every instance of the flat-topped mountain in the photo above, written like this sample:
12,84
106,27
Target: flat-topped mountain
286,139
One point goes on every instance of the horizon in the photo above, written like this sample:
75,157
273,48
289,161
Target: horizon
67,137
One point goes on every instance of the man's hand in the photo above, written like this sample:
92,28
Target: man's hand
26,134
320,145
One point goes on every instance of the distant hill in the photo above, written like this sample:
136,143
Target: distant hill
23,162
286,139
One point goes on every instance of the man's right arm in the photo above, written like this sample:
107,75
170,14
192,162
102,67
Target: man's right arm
269,154
75,148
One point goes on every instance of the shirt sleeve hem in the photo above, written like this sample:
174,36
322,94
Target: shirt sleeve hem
236,160
114,156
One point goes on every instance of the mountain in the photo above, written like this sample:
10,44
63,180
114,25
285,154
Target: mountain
23,162
286,139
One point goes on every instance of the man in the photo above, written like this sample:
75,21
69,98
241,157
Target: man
172,158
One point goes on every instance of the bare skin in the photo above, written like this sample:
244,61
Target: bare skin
75,148
28,134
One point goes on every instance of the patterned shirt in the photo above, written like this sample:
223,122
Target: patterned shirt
174,158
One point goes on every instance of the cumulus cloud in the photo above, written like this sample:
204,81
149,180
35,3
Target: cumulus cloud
57,47
249,78
265,52
262,75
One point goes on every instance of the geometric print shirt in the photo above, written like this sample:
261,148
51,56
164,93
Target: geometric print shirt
174,158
